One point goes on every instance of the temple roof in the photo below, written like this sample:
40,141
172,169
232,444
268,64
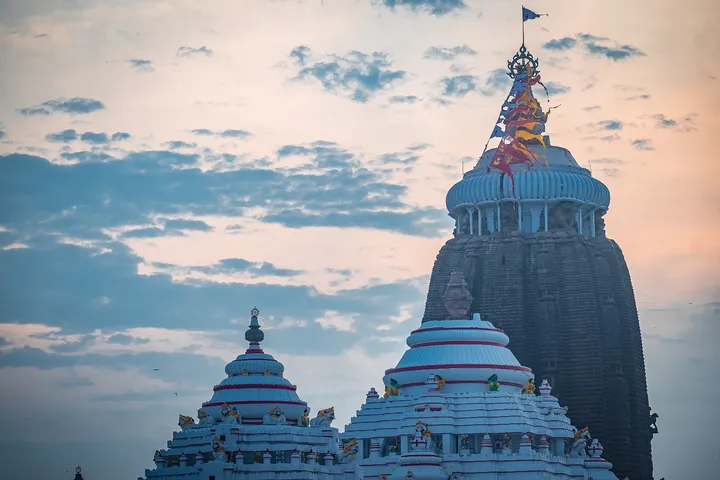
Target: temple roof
255,383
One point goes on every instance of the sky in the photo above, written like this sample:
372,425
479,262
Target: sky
167,165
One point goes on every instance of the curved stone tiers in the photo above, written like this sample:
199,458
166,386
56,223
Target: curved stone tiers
463,352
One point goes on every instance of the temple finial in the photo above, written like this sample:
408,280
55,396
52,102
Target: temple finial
254,334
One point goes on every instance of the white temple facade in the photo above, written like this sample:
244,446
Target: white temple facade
458,405
254,428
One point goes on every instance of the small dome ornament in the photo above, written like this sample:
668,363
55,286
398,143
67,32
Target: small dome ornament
254,334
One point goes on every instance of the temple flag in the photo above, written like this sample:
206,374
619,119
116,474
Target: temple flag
525,135
497,132
530,15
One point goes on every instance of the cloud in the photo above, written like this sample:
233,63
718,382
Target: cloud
180,144
123,339
611,172
141,64
591,108
404,99
685,124
73,106
2,132
254,269
443,53
432,7
186,51
593,45
555,88
234,133
222,133
496,82
459,85
356,76
643,96
94,138
181,224
120,136
560,44
642,144
151,232
331,187
64,136
610,125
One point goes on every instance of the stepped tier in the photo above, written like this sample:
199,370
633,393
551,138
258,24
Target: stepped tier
464,353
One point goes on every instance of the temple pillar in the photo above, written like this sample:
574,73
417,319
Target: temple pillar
520,217
447,444
404,444
546,216
592,222
535,217
490,217
499,219
470,213
361,448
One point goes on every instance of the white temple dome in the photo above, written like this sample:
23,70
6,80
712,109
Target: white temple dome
255,384
465,353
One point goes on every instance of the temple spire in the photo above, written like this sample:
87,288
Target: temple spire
254,335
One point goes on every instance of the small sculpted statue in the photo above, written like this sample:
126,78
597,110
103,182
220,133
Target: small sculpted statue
244,372
305,419
274,417
393,445
580,442
185,422
507,442
323,418
229,415
392,390
440,382
529,388
653,423
493,383
465,442
157,458
203,417
421,439
257,457
349,451
218,451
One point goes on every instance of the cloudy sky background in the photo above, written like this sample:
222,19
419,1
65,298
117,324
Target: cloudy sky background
166,165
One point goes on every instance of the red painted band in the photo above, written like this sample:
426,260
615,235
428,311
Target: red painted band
458,342
456,365
454,382
435,329
255,385
256,402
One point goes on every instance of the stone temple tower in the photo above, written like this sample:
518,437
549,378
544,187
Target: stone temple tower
537,262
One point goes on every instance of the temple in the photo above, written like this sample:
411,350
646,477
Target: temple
458,405
530,241
253,427
530,255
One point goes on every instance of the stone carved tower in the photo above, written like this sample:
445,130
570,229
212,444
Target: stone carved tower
537,259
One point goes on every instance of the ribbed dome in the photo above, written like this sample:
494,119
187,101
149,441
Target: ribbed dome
463,352
255,384
562,179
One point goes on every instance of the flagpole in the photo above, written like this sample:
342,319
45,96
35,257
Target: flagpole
523,25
